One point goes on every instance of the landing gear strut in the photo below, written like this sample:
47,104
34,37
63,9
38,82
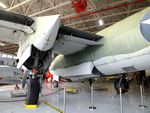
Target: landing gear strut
34,83
39,62
92,107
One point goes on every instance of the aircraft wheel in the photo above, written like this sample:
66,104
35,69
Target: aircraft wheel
55,84
124,85
33,91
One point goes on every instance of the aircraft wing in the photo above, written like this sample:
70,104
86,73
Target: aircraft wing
13,26
70,40
44,34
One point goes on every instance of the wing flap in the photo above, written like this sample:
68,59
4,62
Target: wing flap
71,40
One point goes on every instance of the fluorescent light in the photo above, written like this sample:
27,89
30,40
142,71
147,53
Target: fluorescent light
4,55
146,21
2,44
15,57
9,56
2,5
100,22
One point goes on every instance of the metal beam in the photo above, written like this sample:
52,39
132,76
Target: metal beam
18,5
28,8
97,26
8,48
93,9
69,2
12,3
92,5
54,4
101,10
51,8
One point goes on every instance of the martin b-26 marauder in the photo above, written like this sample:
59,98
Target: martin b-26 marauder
121,48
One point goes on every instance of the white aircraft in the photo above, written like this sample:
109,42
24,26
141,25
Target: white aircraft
121,48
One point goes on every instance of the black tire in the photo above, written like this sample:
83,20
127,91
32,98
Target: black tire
91,81
124,85
69,80
33,91
55,84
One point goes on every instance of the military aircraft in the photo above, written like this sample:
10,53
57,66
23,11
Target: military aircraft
9,74
121,48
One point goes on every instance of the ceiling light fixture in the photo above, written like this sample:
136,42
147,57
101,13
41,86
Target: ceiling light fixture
2,5
100,22
2,44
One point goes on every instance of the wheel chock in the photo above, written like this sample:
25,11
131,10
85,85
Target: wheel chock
31,106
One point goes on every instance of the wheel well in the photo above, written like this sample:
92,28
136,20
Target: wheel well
43,55
95,71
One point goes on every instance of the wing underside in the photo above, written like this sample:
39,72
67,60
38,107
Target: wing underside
71,40
13,27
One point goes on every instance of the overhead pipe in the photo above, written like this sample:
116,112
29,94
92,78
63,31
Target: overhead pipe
93,8
107,16
101,10
48,9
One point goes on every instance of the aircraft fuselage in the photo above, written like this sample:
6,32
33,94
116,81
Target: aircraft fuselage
124,48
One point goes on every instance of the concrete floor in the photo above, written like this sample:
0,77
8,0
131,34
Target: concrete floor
105,101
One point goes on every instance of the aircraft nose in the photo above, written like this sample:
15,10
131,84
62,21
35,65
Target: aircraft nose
145,26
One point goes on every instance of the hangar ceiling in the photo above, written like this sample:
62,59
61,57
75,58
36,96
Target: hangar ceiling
109,11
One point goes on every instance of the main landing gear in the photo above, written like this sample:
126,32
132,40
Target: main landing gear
124,85
39,63
33,88
33,91
55,84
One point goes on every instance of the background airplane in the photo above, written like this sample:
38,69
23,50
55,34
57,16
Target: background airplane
9,74
121,48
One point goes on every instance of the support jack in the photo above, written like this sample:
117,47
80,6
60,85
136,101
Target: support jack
64,99
121,101
142,98
142,75
92,98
